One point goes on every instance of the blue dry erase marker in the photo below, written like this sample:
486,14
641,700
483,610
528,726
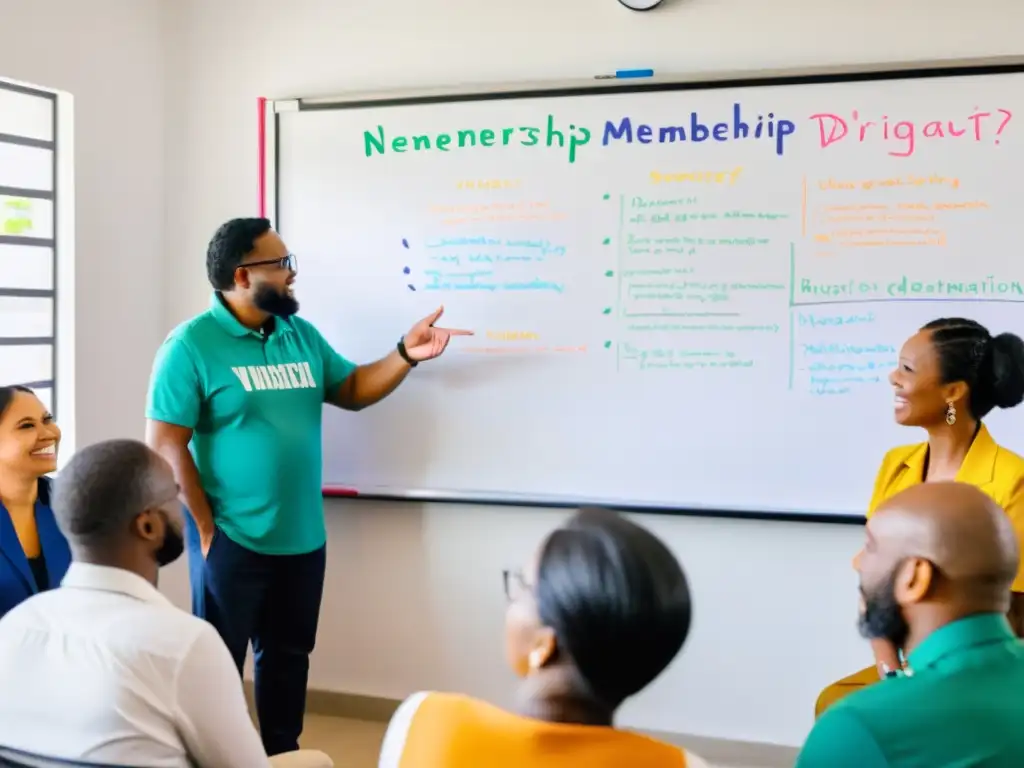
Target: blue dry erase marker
625,74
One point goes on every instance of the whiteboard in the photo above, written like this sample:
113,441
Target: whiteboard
684,297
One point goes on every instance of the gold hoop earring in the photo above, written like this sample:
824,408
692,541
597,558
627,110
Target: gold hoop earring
950,414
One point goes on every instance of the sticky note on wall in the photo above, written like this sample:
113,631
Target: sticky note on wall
16,215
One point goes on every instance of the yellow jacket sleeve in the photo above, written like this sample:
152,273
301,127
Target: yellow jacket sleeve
1015,511
882,481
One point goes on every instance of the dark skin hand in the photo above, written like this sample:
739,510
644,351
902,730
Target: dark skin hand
371,383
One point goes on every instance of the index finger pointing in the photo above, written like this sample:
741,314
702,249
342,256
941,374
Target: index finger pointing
455,331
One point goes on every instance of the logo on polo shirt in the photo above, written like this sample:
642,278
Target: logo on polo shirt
283,376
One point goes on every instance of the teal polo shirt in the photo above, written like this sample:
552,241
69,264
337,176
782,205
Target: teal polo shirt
963,707
254,404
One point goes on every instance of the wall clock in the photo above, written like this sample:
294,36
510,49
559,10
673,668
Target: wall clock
641,5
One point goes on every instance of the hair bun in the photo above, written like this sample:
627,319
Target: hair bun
1007,370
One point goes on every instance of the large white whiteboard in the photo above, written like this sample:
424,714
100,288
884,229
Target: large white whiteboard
692,319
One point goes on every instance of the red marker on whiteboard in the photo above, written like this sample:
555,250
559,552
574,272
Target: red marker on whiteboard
337,491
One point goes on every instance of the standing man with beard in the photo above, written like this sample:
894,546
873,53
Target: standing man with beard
935,574
235,406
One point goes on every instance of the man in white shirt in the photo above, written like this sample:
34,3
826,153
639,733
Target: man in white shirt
105,669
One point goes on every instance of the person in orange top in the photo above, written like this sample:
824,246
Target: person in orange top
601,611
951,375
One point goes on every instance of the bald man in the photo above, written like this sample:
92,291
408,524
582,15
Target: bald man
935,576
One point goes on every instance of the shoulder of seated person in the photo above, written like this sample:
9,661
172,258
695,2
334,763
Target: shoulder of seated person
456,703
416,700
192,635
25,611
452,709
868,701
198,628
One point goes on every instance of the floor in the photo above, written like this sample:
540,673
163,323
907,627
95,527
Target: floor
351,743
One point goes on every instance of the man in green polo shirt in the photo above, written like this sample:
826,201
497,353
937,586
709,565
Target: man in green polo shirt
235,406
936,571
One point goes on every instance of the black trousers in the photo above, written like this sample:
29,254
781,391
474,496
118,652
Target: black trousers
272,601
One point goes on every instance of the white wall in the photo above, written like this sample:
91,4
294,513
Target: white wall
414,597
109,55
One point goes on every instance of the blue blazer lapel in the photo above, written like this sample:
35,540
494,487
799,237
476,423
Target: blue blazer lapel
10,548
56,551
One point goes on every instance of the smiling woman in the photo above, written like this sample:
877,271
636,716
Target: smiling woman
34,554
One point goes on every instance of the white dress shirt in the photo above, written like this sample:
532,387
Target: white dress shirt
106,669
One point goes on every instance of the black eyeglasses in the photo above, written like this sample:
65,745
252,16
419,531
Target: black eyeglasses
515,584
289,262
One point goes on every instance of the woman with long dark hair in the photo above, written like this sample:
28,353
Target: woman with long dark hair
34,555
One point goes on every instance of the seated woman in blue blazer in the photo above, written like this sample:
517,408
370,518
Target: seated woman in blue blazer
34,555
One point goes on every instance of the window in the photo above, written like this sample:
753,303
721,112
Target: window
36,243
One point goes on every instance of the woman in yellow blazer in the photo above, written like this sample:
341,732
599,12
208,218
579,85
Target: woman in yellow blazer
950,376
604,608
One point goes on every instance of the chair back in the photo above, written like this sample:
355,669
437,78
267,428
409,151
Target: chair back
16,758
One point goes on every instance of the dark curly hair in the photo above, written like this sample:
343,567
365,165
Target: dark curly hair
992,367
229,244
